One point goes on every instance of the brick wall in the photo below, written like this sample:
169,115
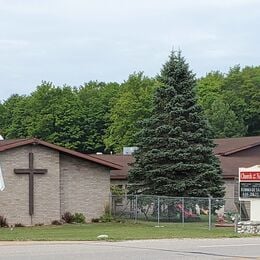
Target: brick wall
85,187
71,184
14,200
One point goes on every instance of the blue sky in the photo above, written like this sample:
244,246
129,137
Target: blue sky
74,41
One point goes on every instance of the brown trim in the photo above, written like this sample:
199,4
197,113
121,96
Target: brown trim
239,149
119,177
15,144
229,177
123,177
23,142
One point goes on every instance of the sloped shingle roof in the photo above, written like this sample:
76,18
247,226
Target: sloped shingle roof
224,148
227,146
14,143
124,160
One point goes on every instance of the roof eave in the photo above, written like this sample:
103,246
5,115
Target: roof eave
240,149
61,149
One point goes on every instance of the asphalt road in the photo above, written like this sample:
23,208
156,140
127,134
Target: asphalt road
236,248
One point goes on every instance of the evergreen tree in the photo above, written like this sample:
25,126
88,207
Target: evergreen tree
175,156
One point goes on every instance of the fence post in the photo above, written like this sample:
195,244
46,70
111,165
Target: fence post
110,203
158,211
182,212
209,213
235,222
135,208
240,210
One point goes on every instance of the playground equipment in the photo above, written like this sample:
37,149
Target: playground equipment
187,213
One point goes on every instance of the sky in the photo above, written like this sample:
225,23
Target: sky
74,41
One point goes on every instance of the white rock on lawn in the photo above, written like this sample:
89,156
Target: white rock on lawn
102,237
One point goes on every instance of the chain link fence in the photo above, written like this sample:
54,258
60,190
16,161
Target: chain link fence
160,209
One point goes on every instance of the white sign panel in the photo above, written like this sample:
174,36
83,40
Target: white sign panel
249,187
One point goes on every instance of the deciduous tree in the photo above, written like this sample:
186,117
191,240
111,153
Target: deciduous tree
133,104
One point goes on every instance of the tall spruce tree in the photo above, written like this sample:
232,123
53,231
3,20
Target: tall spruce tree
175,155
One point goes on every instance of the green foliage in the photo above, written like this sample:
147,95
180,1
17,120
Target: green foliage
73,118
56,115
14,117
69,218
208,89
98,116
175,155
224,121
117,190
50,113
79,218
133,104
242,92
106,217
96,100
239,92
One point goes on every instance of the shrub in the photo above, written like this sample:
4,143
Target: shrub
3,222
18,225
56,222
79,218
117,190
107,217
39,224
67,217
95,220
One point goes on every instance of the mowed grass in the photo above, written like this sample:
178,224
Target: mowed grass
115,232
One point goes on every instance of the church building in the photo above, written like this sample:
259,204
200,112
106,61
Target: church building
233,153
41,181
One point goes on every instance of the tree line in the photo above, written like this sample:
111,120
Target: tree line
104,117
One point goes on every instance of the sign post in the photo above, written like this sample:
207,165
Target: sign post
249,189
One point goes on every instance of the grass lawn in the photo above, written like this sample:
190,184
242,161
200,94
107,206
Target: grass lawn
115,231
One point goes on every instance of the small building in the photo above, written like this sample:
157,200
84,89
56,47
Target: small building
43,181
232,153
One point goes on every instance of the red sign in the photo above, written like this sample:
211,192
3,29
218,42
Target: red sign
249,176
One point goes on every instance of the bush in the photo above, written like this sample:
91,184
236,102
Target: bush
18,225
107,217
79,218
3,222
95,220
56,222
67,217
117,190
